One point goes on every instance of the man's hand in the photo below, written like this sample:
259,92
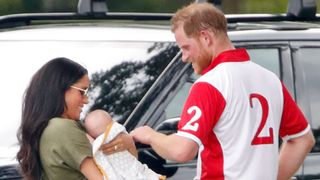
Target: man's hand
142,134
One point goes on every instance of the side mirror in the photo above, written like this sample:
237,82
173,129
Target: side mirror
147,156
168,126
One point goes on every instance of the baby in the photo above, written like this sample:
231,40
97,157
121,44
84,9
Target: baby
118,166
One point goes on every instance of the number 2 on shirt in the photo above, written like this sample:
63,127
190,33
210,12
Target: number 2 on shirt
192,125
265,110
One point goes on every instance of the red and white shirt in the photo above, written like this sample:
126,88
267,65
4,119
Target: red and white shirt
235,112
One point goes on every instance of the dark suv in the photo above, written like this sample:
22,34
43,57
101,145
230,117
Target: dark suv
136,69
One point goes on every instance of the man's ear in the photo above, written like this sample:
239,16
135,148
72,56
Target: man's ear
206,37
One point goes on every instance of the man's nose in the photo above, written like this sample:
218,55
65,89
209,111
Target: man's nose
185,57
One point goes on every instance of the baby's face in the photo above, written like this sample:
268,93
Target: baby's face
96,122
96,127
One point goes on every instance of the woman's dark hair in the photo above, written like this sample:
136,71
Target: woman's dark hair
43,100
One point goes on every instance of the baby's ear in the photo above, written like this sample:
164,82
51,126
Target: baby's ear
90,138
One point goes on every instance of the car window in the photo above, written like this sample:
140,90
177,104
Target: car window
119,89
267,58
120,72
174,108
310,64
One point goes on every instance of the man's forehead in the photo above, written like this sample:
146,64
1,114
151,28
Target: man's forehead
180,35
183,40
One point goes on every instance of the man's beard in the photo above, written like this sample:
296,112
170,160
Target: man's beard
204,60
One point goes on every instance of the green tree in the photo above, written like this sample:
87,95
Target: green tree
10,7
254,6
165,6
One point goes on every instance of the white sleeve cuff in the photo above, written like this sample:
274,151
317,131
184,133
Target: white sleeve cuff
190,136
305,131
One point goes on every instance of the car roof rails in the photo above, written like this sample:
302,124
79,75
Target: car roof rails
87,10
298,10
302,9
92,7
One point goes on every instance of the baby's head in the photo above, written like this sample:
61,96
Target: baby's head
96,122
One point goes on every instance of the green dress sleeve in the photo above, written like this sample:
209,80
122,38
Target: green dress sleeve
63,147
74,146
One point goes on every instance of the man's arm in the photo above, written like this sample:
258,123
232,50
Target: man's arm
293,153
171,147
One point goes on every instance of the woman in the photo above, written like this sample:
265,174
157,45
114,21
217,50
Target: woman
53,143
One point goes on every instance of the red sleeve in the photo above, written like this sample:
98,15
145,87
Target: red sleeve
293,120
202,110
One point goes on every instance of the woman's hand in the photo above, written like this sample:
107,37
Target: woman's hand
120,143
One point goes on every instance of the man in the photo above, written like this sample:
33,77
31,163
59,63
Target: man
235,111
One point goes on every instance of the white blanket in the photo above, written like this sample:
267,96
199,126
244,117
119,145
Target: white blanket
121,165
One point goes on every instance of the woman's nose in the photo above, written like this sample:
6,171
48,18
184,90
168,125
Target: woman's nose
85,99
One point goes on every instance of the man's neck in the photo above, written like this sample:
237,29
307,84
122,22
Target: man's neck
221,44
